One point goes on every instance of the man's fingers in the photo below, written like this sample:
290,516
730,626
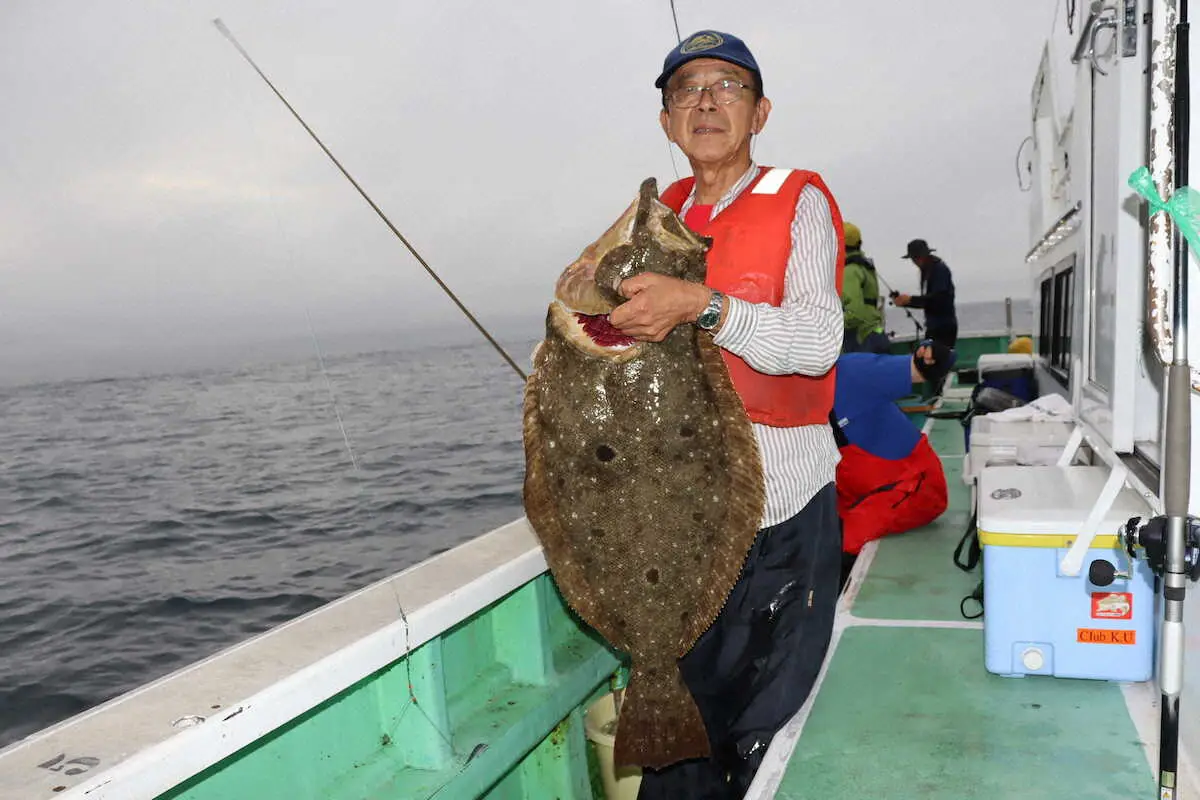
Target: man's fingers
650,334
645,331
618,315
629,316
638,283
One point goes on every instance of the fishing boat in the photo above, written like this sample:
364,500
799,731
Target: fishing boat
466,676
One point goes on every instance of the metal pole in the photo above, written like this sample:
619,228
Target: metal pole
1177,446
1163,22
1008,318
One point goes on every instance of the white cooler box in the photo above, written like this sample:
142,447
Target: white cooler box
993,441
1038,621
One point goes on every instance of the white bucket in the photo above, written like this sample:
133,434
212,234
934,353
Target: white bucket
600,725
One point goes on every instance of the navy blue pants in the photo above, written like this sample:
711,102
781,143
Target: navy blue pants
753,669
946,333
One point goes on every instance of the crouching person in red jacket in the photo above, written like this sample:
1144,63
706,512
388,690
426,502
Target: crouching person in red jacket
889,480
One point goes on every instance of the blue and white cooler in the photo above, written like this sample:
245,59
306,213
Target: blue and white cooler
1060,596
1010,372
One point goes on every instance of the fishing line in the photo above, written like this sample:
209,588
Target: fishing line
229,35
412,697
291,265
671,153
414,703
329,387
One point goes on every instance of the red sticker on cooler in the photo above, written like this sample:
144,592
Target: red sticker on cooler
1112,605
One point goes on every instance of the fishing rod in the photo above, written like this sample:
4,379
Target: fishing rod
229,35
892,293
1170,543
1177,456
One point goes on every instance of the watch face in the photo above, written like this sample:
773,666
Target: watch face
708,319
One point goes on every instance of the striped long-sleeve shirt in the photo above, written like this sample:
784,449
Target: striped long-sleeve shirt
802,335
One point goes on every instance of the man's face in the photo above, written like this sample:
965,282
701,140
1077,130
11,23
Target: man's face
711,133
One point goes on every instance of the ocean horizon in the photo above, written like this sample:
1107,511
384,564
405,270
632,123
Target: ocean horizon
151,520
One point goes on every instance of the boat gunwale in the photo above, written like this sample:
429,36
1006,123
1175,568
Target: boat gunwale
316,656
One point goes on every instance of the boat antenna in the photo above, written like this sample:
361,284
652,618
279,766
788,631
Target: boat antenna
229,35
675,19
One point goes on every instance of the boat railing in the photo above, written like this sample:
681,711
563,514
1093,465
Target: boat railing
149,741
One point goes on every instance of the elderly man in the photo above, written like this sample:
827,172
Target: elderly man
770,301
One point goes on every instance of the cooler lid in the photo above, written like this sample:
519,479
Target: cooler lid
989,362
1049,500
987,429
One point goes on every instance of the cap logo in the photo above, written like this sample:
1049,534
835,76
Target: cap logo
700,42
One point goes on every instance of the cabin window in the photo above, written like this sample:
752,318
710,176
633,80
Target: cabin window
1044,326
1060,352
1055,321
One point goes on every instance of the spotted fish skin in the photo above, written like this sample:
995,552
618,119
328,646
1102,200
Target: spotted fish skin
643,478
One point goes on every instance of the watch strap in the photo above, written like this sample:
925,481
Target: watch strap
711,314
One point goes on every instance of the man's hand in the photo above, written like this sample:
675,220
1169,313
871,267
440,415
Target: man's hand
657,304
902,300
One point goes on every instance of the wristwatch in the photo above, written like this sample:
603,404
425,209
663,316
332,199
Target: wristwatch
711,314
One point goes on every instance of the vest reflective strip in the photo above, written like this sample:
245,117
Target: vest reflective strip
772,181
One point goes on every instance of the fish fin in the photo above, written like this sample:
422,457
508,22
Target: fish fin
747,490
660,723
540,507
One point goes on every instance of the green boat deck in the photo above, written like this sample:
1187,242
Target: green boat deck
906,709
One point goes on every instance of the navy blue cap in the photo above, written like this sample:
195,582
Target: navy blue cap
708,44
917,248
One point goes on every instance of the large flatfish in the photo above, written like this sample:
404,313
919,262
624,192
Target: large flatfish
643,479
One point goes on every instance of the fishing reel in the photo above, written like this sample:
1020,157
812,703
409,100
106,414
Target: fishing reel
1148,539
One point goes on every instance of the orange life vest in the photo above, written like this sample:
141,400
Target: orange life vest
752,240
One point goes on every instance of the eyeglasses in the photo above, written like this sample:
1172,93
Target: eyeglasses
723,93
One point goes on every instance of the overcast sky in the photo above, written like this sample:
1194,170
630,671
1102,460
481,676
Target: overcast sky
158,204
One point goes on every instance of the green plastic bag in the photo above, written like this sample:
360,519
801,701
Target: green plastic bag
1182,206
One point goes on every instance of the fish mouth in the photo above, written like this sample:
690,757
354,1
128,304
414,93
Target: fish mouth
593,334
601,331
589,288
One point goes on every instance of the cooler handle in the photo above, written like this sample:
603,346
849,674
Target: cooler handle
1072,562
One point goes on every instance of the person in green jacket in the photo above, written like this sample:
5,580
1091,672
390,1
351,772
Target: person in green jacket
863,318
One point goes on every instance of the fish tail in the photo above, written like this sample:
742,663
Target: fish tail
660,723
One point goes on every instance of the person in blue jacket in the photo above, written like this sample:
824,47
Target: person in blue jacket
890,479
